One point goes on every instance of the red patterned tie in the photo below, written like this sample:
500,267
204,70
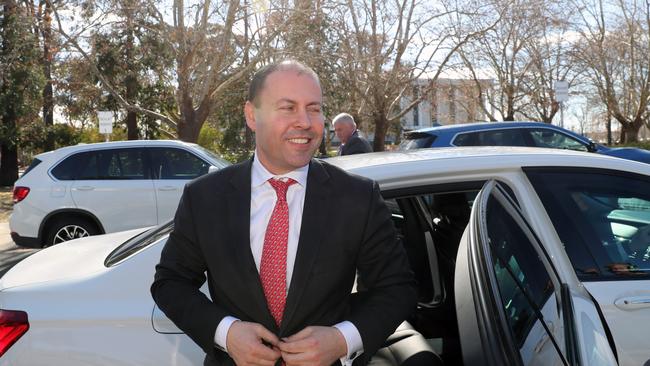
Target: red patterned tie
273,269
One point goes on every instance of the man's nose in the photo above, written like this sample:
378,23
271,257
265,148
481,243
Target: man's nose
303,119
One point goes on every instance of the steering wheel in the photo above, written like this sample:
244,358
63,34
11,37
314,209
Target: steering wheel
640,242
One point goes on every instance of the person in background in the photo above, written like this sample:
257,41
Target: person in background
346,130
280,280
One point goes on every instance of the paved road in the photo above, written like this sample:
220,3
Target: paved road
10,253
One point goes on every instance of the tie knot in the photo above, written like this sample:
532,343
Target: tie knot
281,187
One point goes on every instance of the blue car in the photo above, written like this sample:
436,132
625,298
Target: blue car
535,134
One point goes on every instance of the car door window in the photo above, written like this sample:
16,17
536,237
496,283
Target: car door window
602,219
71,167
119,164
525,286
556,140
171,163
502,137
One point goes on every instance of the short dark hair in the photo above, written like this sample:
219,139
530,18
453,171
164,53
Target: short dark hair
257,82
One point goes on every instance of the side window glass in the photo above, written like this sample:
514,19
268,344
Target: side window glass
466,139
71,167
170,163
113,164
505,137
131,163
555,140
603,220
525,286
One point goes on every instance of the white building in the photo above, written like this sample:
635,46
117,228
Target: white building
451,101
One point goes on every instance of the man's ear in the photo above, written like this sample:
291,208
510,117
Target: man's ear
249,113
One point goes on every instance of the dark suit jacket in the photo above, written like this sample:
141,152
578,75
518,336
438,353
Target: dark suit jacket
356,145
345,227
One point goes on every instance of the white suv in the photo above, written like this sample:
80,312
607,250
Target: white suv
99,188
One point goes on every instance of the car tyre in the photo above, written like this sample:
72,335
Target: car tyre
68,228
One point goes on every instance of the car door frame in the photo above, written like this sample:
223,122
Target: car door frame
480,313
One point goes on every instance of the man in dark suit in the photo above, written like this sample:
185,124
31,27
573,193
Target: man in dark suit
280,239
346,130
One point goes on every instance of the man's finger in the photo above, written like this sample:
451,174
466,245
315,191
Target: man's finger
306,332
267,336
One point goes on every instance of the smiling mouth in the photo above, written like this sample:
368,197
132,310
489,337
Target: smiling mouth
299,140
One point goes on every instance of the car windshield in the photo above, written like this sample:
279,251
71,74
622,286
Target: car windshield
138,243
417,140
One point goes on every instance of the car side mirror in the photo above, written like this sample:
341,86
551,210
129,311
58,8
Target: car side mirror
212,168
592,147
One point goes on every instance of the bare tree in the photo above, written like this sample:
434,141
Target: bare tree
206,42
550,58
613,50
386,46
524,54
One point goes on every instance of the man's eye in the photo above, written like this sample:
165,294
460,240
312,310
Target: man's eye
314,110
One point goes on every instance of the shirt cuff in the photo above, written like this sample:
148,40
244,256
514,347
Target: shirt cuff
221,335
352,340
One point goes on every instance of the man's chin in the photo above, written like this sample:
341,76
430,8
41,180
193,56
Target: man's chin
300,160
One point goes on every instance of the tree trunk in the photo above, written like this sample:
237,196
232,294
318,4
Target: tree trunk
9,164
381,126
609,128
189,125
131,80
132,126
189,128
630,131
48,99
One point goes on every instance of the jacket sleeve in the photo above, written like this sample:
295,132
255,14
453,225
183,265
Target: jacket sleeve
178,277
388,286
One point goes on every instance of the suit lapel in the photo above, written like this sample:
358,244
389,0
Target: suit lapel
312,230
239,224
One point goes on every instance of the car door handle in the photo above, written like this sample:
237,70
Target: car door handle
85,188
633,302
167,188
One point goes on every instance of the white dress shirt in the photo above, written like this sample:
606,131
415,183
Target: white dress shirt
263,200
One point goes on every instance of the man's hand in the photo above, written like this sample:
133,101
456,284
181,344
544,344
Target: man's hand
320,346
245,344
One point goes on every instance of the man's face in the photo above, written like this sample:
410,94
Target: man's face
343,131
288,121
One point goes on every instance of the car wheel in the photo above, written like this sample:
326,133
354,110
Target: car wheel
69,228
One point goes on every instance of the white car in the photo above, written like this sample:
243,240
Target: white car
523,257
89,189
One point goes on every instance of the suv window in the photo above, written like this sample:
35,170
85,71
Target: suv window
31,166
102,165
503,137
553,139
417,140
602,219
172,163
70,167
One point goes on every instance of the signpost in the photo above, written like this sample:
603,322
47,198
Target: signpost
105,123
561,95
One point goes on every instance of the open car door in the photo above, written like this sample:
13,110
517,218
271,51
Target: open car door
512,306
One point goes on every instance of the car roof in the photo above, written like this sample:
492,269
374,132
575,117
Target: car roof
477,126
113,144
391,167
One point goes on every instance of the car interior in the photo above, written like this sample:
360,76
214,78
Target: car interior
430,225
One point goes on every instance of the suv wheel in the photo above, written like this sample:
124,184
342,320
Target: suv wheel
68,228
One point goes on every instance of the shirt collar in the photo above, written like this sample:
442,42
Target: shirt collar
259,174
